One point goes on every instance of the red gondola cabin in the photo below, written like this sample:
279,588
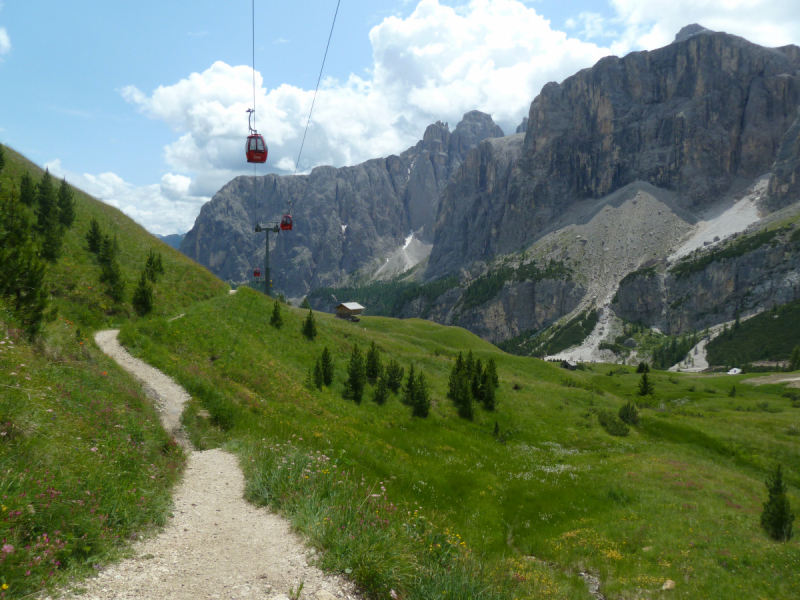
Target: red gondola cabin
256,273
256,149
286,223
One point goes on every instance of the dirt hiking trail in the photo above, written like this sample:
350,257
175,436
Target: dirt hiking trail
216,545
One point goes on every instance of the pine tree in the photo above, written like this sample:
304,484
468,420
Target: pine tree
643,368
421,400
52,236
795,360
111,272
94,237
46,205
143,296
408,391
310,326
27,190
319,379
374,366
381,393
491,368
777,517
327,366
488,395
469,364
22,270
66,205
356,376
475,380
646,387
276,320
462,398
153,266
305,303
394,375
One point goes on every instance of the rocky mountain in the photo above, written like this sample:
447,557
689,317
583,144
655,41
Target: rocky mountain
345,220
661,188
701,117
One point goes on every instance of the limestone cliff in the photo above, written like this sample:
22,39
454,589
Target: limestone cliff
344,219
700,117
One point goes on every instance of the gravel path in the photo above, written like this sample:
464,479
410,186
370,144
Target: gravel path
216,545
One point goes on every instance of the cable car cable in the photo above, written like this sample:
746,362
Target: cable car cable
308,122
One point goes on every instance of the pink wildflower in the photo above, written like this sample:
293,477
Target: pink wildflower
8,549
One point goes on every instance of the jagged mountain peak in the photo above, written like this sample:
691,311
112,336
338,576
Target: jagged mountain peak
690,30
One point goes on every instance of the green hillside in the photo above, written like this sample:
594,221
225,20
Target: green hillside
772,336
85,461
677,498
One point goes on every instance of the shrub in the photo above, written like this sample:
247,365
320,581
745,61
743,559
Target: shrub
777,517
611,423
629,414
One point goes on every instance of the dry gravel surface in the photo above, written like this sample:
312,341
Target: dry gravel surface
216,545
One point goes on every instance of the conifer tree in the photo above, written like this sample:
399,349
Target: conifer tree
356,376
111,272
469,364
52,236
462,398
310,326
421,400
276,320
646,387
491,369
777,517
381,393
488,396
46,205
66,205
305,303
143,296
27,190
643,368
374,366
475,380
795,360
94,237
408,391
21,268
153,266
327,366
394,375
628,414
318,376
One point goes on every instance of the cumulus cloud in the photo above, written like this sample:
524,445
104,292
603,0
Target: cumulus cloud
165,207
644,24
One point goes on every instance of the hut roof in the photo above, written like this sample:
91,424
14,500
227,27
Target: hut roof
351,306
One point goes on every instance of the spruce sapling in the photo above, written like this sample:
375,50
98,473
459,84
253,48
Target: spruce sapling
327,366
276,320
421,400
356,376
143,296
777,517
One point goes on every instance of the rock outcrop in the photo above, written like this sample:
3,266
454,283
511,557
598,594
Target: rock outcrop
699,117
344,219
679,303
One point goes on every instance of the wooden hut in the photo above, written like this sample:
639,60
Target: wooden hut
349,311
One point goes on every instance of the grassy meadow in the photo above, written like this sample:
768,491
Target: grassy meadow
85,463
537,491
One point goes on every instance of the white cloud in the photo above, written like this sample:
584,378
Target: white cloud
648,25
5,41
162,208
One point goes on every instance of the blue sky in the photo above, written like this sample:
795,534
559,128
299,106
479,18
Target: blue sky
142,103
